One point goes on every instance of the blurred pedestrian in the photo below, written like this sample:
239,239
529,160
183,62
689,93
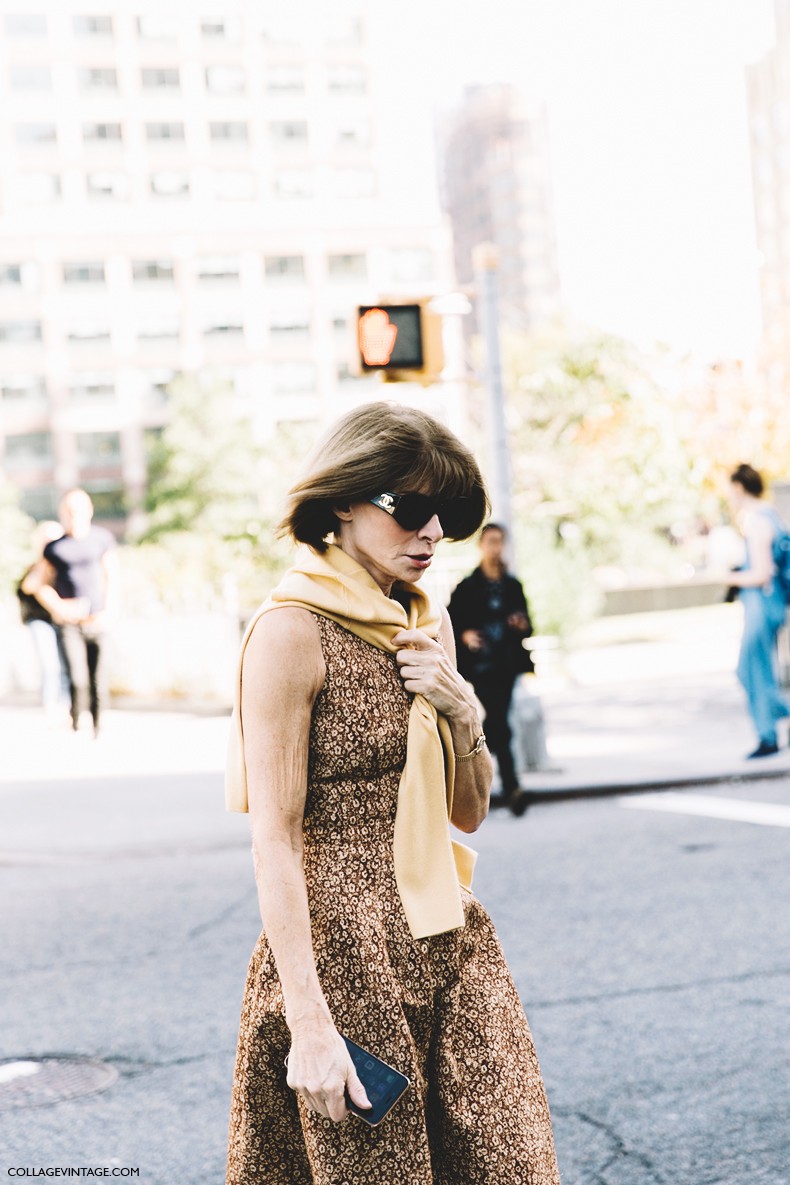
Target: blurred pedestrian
54,684
77,582
764,607
359,739
491,619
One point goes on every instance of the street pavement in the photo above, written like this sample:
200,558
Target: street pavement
647,932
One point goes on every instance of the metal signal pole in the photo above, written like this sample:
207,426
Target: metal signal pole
485,259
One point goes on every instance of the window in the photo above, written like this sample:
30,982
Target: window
39,502
109,501
89,334
340,326
112,186
23,388
10,275
38,188
160,78
152,271
159,382
91,272
219,268
98,450
156,28
221,29
285,328
170,184
30,78
289,132
352,135
225,80
97,78
348,267
292,377
25,24
91,388
284,267
19,332
233,131
230,327
157,133
347,80
102,133
233,186
285,80
294,183
28,449
92,26
159,329
31,135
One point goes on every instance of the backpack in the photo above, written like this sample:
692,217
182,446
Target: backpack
781,557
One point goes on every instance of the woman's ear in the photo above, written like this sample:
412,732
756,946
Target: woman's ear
342,511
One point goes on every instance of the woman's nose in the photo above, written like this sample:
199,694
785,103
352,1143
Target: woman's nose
432,529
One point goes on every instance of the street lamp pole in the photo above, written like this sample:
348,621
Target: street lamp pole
485,258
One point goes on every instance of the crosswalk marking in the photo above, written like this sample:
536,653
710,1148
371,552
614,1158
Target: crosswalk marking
767,814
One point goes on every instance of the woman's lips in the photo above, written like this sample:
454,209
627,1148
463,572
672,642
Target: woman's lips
422,561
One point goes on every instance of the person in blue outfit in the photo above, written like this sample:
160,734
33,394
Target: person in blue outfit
764,608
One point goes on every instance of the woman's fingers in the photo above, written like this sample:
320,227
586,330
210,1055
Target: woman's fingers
356,1091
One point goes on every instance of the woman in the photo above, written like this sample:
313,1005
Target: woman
764,608
354,737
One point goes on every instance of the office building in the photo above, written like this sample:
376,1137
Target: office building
204,190
496,184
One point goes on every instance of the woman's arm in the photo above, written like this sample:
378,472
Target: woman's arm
282,674
759,538
429,668
39,583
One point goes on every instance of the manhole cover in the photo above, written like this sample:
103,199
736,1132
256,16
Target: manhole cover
41,1081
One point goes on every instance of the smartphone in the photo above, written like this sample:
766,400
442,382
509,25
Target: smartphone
383,1084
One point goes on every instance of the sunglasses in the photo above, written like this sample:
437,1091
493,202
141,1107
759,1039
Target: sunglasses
412,511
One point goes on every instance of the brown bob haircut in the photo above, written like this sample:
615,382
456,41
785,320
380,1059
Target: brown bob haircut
377,448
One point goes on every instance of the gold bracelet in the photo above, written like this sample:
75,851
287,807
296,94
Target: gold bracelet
481,740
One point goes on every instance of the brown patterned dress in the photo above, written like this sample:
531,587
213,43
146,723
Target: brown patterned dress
443,1010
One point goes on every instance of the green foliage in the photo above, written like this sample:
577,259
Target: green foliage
600,475
212,504
16,539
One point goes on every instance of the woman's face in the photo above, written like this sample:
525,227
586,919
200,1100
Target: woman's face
386,550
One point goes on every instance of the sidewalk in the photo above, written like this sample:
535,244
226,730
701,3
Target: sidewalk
660,710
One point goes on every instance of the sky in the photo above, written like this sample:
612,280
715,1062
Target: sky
649,140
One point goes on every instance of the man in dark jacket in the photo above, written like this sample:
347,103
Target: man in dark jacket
490,620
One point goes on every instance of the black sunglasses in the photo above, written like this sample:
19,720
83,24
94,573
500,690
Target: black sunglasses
412,511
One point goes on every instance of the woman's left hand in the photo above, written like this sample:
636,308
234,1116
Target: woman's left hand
427,669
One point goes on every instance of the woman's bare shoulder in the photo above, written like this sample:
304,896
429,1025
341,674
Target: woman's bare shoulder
284,648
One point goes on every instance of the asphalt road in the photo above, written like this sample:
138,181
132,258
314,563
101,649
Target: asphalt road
651,950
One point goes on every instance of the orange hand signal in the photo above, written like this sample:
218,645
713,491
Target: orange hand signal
376,337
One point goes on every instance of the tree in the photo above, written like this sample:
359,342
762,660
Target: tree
16,536
212,503
601,473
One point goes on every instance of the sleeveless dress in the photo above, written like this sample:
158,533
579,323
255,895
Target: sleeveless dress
443,1010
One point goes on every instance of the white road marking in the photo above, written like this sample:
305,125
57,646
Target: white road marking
768,814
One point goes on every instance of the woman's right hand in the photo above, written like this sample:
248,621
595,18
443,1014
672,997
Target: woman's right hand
320,1069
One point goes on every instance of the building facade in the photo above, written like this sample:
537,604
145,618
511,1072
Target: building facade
496,183
768,85
203,190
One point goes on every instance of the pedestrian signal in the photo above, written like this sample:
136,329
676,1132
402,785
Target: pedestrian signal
390,337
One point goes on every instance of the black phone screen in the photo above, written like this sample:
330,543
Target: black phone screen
384,1084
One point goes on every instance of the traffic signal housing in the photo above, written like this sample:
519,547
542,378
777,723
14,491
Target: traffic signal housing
402,341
